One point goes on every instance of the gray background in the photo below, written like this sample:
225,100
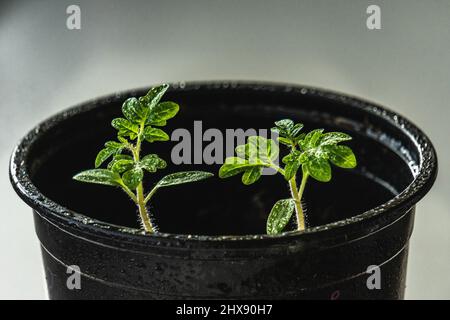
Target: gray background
45,68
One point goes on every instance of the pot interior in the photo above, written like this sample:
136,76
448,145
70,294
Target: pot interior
386,159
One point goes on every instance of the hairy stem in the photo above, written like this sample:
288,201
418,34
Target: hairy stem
143,210
297,196
140,188
298,205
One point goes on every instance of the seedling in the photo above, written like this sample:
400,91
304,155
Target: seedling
127,167
311,152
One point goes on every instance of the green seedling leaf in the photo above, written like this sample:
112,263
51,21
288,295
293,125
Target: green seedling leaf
312,138
99,176
279,216
316,137
296,130
284,125
111,148
133,177
122,140
341,156
246,151
126,128
160,113
183,177
253,156
155,134
122,165
103,155
152,162
119,157
251,175
299,139
285,141
153,96
135,111
266,150
291,168
319,169
115,145
234,165
291,156
288,131
331,138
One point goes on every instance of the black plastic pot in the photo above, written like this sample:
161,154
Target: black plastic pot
212,242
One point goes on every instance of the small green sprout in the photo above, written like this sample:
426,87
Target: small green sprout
311,152
127,167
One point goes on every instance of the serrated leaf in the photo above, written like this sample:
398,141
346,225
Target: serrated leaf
319,169
122,165
103,155
251,175
125,127
152,162
155,134
133,177
234,165
154,95
183,177
134,110
331,138
162,112
341,156
99,176
279,216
